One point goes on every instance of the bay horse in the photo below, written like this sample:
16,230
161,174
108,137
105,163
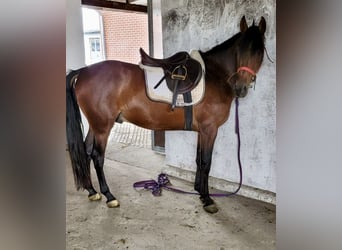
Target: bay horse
112,91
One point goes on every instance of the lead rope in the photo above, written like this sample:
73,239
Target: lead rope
237,132
164,182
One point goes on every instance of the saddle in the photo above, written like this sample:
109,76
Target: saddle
181,72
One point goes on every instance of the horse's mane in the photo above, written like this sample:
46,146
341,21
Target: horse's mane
223,46
252,32
213,67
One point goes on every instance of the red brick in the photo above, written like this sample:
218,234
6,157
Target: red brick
124,34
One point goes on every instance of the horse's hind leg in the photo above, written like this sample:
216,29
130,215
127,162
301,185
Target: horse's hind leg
97,155
89,144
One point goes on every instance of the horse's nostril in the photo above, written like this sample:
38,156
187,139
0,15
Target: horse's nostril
241,92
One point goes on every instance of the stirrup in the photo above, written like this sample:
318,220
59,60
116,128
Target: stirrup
176,76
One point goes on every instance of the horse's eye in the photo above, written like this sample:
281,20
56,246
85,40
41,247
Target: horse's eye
253,78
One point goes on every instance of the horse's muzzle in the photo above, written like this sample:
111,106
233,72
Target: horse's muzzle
241,92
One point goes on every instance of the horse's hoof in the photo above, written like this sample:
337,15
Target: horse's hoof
211,208
94,197
113,203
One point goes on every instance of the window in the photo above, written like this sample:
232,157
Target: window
95,44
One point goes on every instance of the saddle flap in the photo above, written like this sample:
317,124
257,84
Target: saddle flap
186,77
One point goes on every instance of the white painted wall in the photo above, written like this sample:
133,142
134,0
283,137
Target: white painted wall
201,25
75,57
92,28
157,29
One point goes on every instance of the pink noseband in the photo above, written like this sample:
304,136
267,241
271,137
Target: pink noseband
244,68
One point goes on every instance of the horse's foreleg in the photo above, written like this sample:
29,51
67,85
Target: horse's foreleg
203,159
198,163
97,155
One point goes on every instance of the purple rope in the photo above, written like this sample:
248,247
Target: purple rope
237,131
164,182
156,186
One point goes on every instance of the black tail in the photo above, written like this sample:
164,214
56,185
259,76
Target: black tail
74,131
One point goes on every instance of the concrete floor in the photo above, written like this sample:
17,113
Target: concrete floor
171,221
129,134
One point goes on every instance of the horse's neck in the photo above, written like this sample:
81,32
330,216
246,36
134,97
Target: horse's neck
219,65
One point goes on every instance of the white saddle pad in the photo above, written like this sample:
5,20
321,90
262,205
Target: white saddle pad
163,94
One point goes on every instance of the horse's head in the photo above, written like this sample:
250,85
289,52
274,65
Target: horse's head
249,55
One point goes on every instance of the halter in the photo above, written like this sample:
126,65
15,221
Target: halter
244,68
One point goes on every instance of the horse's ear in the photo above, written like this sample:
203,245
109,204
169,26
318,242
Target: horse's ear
243,24
262,25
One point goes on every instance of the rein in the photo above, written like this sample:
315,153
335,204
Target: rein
164,182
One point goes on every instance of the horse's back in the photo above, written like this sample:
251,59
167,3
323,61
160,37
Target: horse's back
101,87
103,78
108,73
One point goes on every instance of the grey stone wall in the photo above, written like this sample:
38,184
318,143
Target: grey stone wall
199,24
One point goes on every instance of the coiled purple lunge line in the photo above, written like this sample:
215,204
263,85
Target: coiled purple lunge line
164,182
156,186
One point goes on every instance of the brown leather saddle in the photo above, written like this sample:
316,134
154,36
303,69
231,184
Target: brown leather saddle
181,72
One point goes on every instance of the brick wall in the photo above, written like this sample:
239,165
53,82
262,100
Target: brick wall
124,34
